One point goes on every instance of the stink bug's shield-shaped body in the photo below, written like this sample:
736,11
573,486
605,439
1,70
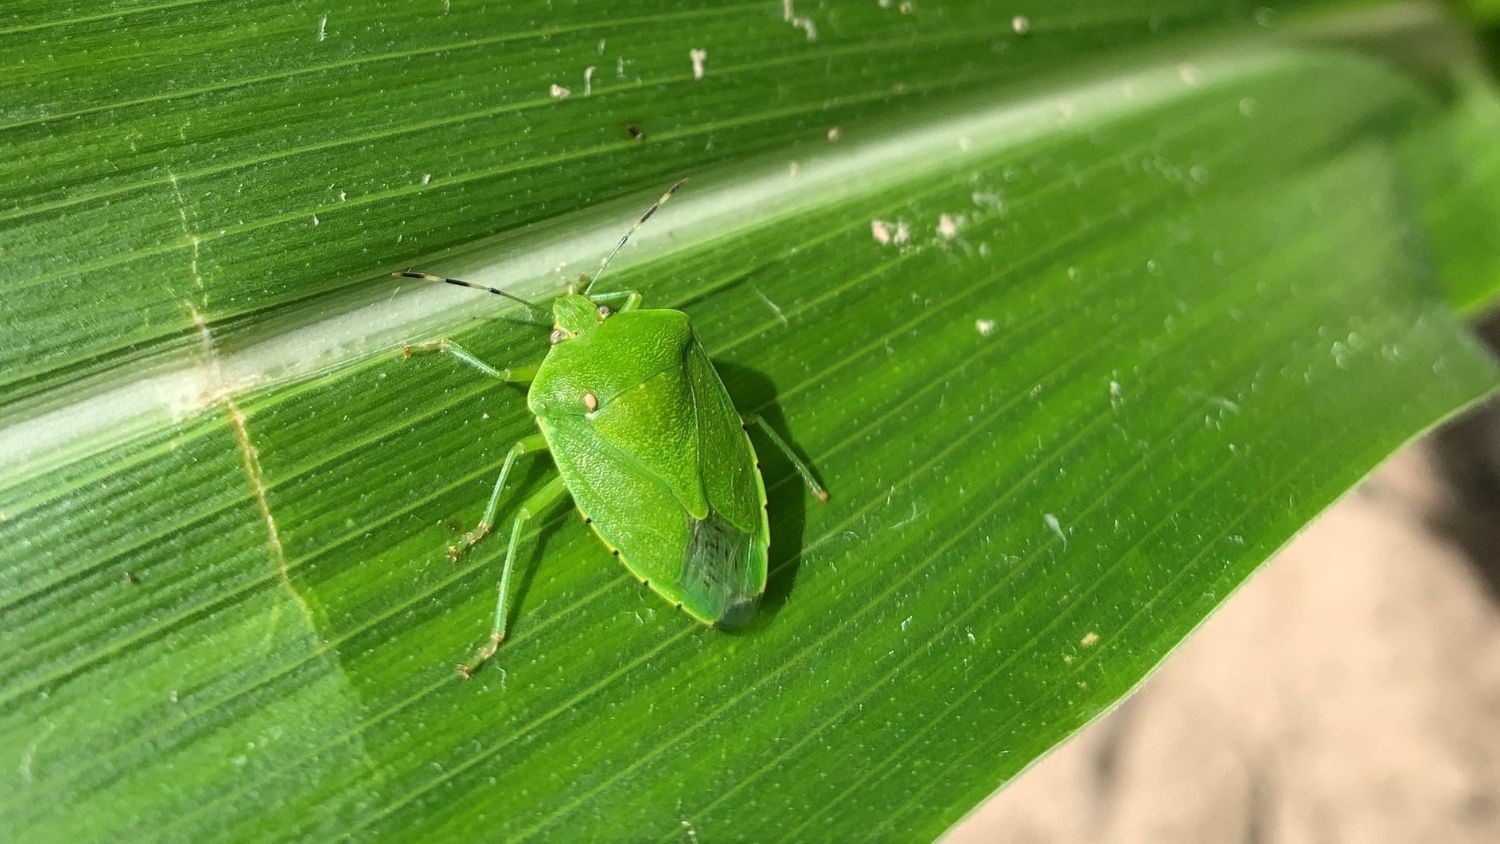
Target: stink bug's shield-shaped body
646,439
650,446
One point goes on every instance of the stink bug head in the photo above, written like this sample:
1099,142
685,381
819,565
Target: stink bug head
575,315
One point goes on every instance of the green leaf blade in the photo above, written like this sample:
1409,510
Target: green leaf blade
1073,361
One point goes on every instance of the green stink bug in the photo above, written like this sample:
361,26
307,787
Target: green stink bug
646,439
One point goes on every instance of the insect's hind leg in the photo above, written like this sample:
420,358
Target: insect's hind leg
786,449
530,507
513,375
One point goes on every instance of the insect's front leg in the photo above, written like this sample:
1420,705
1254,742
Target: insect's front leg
513,375
525,445
628,300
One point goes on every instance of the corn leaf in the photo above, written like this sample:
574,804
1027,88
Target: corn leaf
1079,315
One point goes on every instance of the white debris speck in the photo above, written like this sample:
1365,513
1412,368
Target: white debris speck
904,623
1249,107
884,4
1020,24
792,170
907,7
908,520
1089,639
887,232
1224,404
559,92
972,640
985,327
322,27
833,133
1115,392
1056,527
772,305
343,197
588,80
789,14
1190,74
601,46
987,199
698,57
426,178
28,756
316,221
947,226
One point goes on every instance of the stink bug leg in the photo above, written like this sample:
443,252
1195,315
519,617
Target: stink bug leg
525,445
785,448
530,507
629,300
513,375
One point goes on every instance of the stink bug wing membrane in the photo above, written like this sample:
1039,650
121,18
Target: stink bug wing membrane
719,571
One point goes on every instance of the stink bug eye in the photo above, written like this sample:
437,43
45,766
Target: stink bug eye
672,487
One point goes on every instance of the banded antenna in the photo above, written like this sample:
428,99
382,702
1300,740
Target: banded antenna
532,307
583,291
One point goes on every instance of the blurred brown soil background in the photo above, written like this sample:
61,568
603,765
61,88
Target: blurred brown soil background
1350,692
